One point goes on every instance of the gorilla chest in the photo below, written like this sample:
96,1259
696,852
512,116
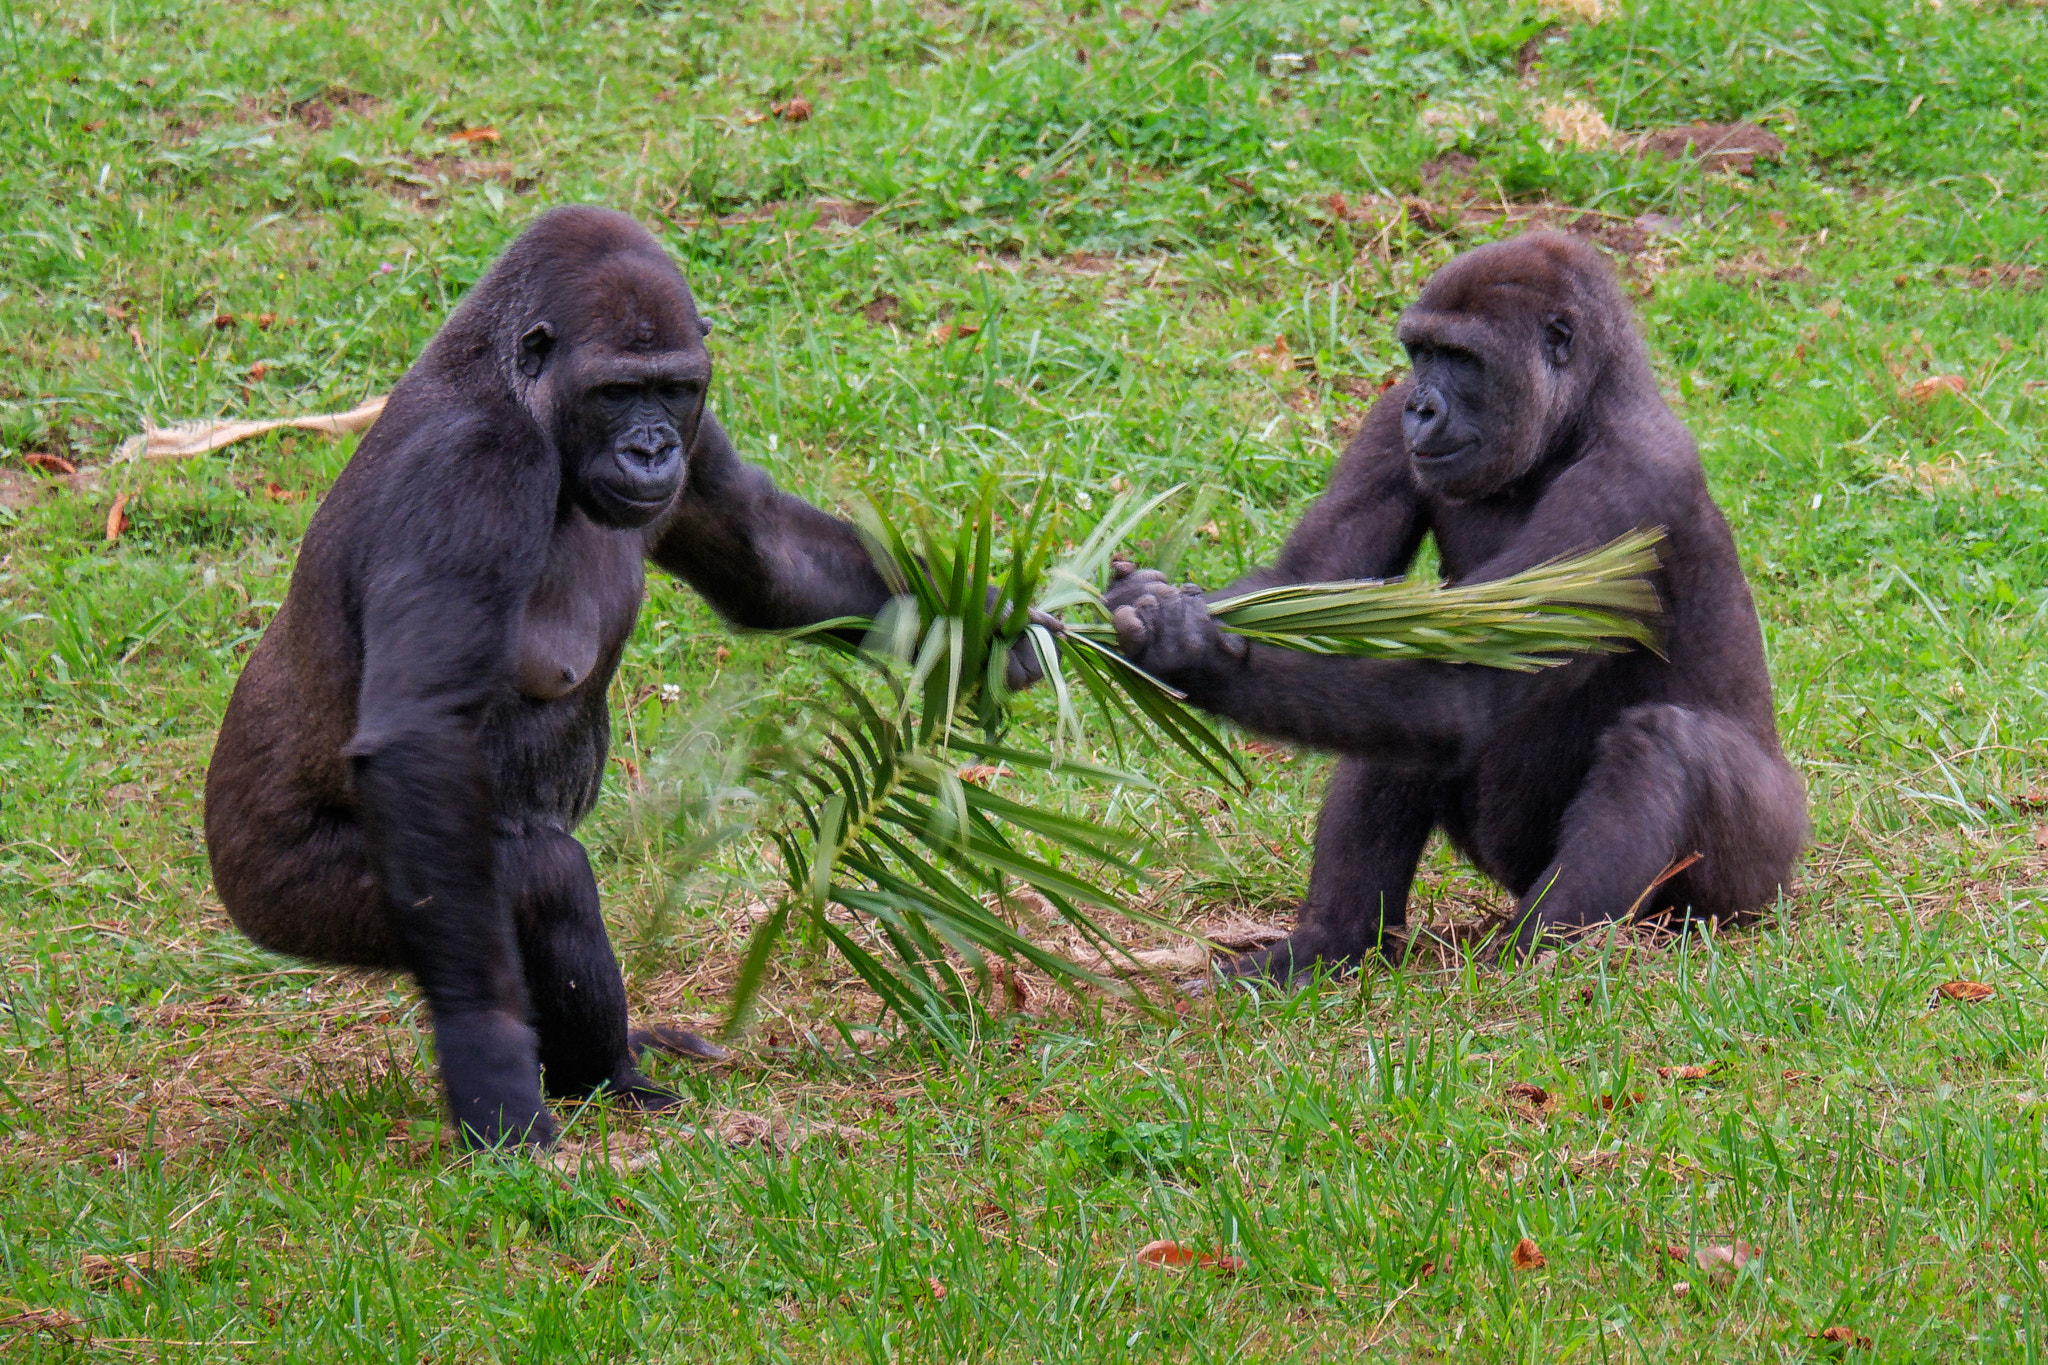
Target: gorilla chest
579,613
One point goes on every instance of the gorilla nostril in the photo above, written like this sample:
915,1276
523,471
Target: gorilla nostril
650,453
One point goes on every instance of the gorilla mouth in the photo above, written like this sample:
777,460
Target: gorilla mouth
1442,456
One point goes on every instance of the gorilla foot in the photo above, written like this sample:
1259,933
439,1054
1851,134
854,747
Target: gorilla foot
1295,960
635,1091
670,1041
490,1066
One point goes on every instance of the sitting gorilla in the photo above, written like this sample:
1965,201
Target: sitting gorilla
424,721
1530,429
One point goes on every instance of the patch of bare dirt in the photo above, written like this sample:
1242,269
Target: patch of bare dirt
318,114
1729,147
882,309
1088,263
2004,276
19,491
1450,166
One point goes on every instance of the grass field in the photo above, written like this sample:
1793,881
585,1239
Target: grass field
1179,239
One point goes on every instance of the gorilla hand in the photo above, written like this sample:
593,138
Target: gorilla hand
1167,631
1023,668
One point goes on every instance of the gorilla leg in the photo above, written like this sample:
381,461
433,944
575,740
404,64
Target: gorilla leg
1669,782
1369,837
577,996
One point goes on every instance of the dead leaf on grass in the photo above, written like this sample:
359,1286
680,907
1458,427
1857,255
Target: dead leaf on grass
1844,1337
1529,1102
1279,357
1719,1259
1969,992
29,1321
1696,1071
117,518
1622,1101
979,773
947,331
1935,385
49,464
1527,1256
131,1269
1576,122
797,110
474,135
1167,1254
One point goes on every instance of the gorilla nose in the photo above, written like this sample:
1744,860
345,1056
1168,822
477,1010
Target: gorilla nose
1423,421
650,452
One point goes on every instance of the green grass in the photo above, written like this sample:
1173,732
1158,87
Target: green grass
269,1134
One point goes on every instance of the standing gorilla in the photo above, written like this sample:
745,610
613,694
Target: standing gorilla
1531,429
424,721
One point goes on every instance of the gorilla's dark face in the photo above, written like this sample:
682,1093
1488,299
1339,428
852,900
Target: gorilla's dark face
625,384
1496,383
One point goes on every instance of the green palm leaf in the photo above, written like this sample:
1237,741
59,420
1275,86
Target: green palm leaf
884,828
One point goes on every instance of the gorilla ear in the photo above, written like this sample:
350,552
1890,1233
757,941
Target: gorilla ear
534,348
1557,339
705,325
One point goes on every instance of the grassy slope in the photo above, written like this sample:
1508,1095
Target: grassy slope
269,1133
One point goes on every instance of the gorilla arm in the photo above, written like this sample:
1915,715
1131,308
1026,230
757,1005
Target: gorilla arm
1368,523
763,558
767,560
445,572
1402,712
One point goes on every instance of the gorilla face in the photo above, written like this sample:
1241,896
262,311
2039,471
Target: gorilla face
625,419
1492,389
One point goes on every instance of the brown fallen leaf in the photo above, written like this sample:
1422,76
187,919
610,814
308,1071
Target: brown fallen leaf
257,371
1622,1101
1935,385
978,773
49,464
1279,357
474,135
117,518
1697,1071
1719,1259
1526,1255
128,1270
797,110
1969,992
1531,1101
2041,836
266,321
947,331
1167,1254
279,493
223,321
1844,1337
931,1282
55,1321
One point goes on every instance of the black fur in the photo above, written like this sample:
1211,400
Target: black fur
424,721
1531,429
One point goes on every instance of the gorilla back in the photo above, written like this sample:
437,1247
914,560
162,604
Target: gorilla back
424,720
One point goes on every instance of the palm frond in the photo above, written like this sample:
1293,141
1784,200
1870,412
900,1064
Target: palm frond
906,869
